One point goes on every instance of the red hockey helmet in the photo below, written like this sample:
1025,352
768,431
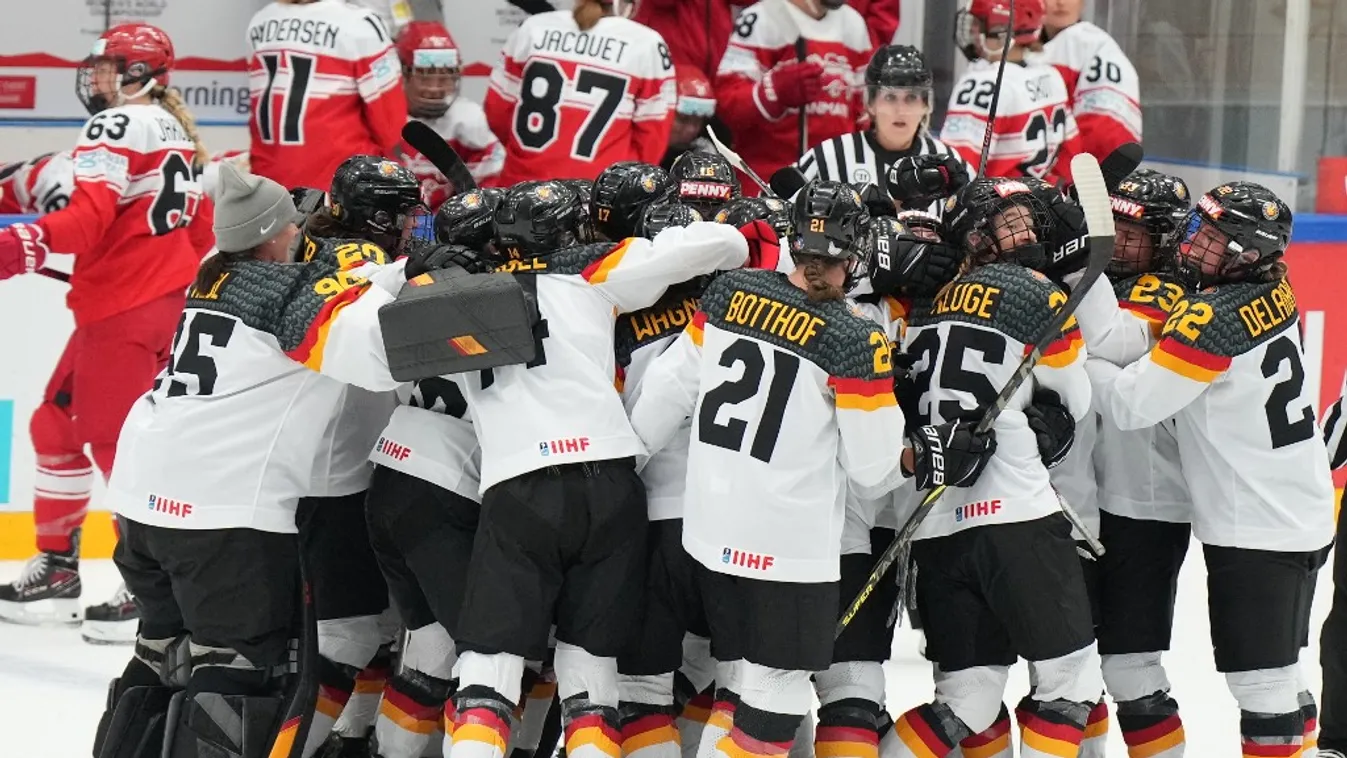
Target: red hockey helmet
986,16
695,96
124,56
431,68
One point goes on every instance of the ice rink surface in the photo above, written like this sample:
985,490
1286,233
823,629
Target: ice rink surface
53,684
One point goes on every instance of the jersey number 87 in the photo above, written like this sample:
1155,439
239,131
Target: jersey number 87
537,117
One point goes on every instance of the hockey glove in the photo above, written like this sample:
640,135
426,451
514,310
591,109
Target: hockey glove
764,246
920,180
1067,245
788,85
23,250
950,454
917,268
1052,425
429,258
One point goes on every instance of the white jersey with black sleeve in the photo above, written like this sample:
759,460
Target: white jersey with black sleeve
967,343
791,400
1229,369
858,158
563,407
231,431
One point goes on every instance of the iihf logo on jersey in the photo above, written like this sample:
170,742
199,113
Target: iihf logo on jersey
563,446
745,559
171,507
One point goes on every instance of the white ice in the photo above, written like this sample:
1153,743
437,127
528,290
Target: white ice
53,685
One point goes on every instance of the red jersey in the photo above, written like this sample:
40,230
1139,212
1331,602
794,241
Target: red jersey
464,128
1034,134
1103,87
136,223
764,36
325,84
568,104
38,185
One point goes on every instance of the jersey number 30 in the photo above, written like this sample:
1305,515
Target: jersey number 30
537,118
730,435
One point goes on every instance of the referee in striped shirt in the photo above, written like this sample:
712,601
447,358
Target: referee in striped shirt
898,88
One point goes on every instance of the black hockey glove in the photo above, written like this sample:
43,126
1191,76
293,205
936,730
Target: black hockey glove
1052,425
433,257
914,267
918,181
950,454
1067,244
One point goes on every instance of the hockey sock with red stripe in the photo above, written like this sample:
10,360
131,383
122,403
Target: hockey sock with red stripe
1051,729
61,491
692,720
1151,726
721,721
363,707
1309,710
481,725
994,742
847,729
648,731
336,681
1095,742
928,731
410,713
758,734
590,729
1272,735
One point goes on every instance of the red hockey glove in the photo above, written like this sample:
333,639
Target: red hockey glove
789,85
764,247
23,250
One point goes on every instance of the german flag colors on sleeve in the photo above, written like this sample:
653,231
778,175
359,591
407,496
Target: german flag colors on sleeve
696,328
1188,361
863,394
1063,351
310,349
598,271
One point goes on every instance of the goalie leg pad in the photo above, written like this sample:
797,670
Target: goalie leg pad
212,725
133,726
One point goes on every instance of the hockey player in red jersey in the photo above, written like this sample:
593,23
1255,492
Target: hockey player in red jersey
786,55
38,185
325,85
695,105
137,227
431,70
1034,132
576,92
1105,93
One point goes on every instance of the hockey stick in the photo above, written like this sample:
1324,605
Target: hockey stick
996,93
802,55
1094,200
738,162
437,151
298,715
52,273
1118,164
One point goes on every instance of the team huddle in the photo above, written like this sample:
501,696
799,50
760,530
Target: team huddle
438,469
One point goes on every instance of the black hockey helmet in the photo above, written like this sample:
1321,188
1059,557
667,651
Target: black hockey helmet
375,197
831,222
622,192
660,216
898,66
745,210
705,181
875,199
537,219
584,189
999,219
465,218
908,257
1149,208
1236,232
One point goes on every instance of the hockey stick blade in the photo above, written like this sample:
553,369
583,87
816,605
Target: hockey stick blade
738,162
1094,201
430,144
1118,164
787,181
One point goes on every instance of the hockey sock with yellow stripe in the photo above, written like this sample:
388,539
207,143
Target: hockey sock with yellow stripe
481,725
758,734
1309,710
336,681
1095,742
648,731
1151,726
927,731
994,742
410,713
692,720
847,729
1272,735
590,729
363,707
1051,729
720,722
539,687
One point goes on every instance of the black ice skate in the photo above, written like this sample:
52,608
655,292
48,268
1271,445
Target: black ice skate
47,592
112,623
338,746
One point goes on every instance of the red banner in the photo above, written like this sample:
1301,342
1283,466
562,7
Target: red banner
1317,273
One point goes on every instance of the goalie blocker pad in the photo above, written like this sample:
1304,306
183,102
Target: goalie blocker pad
451,322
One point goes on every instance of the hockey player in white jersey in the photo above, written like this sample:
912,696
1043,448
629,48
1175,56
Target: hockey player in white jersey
563,522
986,553
1261,490
898,92
1034,131
37,185
208,516
825,411
432,77
1105,92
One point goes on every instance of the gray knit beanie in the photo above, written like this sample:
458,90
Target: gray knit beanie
249,210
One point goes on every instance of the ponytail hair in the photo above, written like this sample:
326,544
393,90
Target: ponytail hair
170,99
817,287
587,13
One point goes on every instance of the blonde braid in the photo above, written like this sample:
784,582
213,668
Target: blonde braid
171,100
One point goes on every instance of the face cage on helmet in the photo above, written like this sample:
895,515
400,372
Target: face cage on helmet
97,102
430,108
986,244
1161,233
1204,245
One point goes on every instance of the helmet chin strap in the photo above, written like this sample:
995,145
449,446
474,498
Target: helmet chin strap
123,98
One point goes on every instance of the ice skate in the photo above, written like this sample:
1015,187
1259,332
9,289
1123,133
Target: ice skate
114,622
47,592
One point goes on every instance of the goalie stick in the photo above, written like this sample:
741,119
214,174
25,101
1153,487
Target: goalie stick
430,144
1094,201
